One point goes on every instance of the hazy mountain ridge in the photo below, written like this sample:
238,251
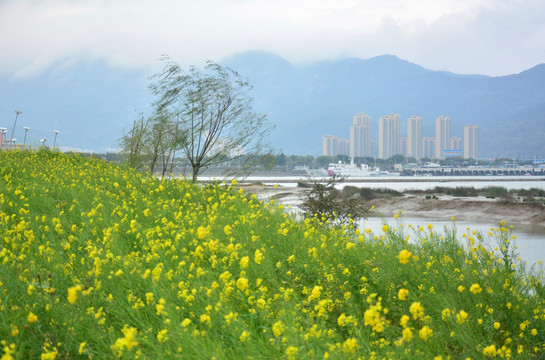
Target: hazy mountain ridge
329,93
92,103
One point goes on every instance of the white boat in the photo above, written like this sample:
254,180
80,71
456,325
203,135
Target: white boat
353,171
349,170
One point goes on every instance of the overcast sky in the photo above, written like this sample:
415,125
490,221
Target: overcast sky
493,37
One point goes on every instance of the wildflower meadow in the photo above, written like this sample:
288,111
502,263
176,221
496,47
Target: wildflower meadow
98,261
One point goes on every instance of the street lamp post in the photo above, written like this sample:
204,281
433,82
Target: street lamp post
17,112
26,130
55,140
3,131
43,141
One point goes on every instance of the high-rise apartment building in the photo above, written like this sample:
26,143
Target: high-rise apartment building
344,147
360,136
414,137
456,143
389,140
442,135
333,145
428,147
471,141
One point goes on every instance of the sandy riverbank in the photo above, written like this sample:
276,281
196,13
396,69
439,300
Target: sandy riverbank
445,207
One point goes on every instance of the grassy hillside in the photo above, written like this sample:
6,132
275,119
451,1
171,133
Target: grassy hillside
100,262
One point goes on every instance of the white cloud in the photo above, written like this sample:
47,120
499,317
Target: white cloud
466,36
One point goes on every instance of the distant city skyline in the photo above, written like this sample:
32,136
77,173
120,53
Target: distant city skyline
414,145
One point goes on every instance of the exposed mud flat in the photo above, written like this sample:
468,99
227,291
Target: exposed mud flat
463,209
443,208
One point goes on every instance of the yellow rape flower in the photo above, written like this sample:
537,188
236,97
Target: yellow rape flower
291,351
32,318
402,294
407,335
404,256
162,336
81,349
417,310
244,336
315,294
14,330
445,314
30,290
8,351
261,303
202,232
73,293
228,230
350,345
475,288
127,341
242,284
425,333
49,355
205,318
461,317
258,256
404,320
278,328
490,351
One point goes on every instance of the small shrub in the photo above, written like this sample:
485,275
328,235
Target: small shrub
369,194
496,191
464,192
531,193
327,202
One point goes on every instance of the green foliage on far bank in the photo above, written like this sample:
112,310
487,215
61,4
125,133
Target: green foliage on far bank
502,193
97,261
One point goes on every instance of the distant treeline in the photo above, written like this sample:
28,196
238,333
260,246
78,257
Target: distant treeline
290,161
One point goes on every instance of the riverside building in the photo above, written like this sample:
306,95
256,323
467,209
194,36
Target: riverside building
415,142
360,136
471,141
442,135
428,148
333,145
389,139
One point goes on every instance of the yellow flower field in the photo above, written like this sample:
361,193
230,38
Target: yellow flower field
98,261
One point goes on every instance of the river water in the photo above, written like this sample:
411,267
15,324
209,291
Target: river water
530,238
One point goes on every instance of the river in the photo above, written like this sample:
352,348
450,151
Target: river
530,238
530,241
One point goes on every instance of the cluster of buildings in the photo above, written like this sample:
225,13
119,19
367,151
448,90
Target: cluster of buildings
390,141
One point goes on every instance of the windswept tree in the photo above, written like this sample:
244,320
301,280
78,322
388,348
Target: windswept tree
133,144
213,114
151,144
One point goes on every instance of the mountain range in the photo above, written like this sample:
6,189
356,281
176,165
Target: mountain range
92,104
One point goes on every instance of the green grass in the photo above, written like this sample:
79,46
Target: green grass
97,261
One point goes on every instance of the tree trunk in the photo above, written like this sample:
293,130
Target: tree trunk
196,168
